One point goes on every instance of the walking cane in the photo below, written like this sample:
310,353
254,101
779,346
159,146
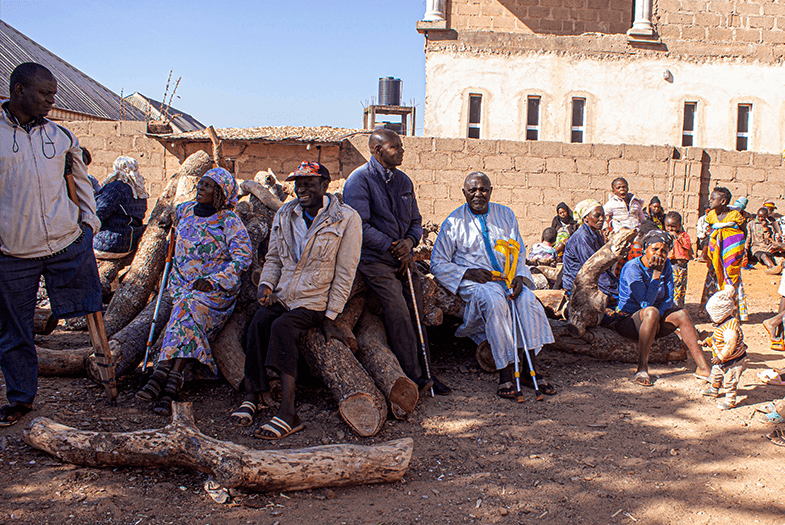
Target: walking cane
419,328
162,288
511,250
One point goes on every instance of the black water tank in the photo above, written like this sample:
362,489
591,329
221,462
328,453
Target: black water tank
389,91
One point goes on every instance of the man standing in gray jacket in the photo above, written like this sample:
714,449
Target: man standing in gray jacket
42,231
306,280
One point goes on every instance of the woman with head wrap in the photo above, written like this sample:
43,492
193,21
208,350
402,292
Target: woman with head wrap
212,251
646,305
655,213
121,204
582,244
564,224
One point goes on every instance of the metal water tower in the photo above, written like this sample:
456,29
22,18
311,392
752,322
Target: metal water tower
390,89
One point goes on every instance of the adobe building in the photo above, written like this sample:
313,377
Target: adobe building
704,73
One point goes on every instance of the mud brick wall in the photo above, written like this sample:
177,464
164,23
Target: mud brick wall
108,140
533,177
701,21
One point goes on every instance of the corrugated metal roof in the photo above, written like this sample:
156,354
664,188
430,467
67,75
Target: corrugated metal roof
304,134
75,90
180,121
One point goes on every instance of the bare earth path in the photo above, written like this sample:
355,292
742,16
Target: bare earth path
604,450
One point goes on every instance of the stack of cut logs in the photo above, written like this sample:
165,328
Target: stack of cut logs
365,378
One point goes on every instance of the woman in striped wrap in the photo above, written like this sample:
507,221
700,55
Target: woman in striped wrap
726,249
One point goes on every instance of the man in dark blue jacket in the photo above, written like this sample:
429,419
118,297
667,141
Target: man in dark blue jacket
392,225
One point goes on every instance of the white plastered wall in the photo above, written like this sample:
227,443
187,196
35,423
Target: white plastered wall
628,100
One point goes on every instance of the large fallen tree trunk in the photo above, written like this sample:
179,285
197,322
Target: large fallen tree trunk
145,271
587,301
227,347
181,445
60,363
379,361
597,341
108,270
606,344
129,344
360,403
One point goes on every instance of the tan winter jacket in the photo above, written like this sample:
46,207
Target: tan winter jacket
37,218
322,279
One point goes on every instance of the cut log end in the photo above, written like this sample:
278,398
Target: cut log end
403,397
360,411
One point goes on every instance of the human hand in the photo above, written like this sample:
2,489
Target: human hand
517,286
265,296
407,261
479,275
203,285
715,360
330,331
401,248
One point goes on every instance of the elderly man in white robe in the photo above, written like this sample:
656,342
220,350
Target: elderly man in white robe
462,261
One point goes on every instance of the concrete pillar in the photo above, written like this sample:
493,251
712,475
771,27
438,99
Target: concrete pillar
642,25
434,11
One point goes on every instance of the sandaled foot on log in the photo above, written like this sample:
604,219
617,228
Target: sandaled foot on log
277,428
11,414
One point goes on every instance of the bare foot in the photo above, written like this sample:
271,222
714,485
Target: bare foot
771,328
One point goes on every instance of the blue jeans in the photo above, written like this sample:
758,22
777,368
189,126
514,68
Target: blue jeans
74,290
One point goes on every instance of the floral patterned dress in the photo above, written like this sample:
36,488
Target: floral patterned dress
218,249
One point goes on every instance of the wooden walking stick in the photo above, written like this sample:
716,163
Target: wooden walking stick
95,320
419,328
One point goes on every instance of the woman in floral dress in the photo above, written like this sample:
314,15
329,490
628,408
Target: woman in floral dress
212,251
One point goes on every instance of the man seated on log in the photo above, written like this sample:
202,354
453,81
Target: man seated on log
462,261
384,197
42,231
306,279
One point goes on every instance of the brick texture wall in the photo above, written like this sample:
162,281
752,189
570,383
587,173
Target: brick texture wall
729,28
108,140
533,177
559,17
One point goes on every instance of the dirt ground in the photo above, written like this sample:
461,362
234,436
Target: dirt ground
604,450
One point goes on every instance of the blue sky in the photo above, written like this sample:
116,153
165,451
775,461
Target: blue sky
242,63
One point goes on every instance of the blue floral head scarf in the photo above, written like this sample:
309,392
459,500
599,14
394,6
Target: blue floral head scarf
228,185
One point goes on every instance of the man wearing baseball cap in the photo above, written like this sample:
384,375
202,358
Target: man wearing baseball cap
314,248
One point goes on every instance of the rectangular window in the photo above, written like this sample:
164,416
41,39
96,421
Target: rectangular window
475,116
688,127
578,119
743,127
533,118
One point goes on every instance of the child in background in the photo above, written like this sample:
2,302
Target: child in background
543,253
727,348
680,255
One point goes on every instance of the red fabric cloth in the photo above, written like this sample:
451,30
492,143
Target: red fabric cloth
682,247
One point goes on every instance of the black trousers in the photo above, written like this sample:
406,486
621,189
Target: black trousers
271,342
392,290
